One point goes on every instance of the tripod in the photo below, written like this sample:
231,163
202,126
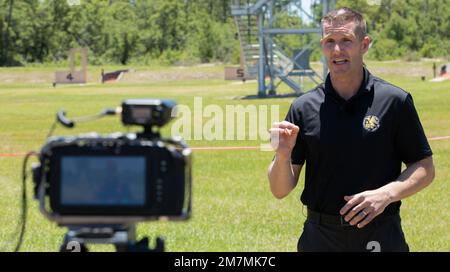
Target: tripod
122,237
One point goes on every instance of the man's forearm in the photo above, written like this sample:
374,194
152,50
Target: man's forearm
413,179
281,177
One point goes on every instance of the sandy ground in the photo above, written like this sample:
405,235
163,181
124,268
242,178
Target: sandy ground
25,77
141,75
203,72
174,75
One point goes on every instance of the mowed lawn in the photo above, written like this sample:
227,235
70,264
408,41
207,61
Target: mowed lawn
233,209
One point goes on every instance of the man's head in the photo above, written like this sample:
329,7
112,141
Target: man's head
344,41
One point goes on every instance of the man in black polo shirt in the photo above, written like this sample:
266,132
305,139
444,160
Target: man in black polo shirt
354,131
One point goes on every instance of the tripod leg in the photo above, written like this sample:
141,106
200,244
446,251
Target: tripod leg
141,246
122,247
160,247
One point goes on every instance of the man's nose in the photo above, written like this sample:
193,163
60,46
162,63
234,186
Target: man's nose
337,47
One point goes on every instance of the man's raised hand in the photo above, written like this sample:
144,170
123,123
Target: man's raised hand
283,136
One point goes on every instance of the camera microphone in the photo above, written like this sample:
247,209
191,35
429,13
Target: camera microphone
61,115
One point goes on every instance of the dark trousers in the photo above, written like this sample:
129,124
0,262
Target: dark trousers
384,234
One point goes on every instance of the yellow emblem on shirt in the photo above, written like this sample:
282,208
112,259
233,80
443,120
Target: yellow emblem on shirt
371,123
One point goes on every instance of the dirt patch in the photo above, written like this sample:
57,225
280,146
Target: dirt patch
203,72
134,76
410,69
25,77
174,75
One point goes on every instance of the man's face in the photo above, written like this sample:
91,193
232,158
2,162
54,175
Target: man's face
342,49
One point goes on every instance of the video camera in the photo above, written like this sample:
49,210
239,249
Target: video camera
117,179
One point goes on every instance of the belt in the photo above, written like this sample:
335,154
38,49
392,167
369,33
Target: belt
338,220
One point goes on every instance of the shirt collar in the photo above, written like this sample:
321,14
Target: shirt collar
366,85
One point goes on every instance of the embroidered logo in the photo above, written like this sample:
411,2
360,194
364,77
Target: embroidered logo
371,123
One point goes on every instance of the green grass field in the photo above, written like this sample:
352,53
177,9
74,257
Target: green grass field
233,209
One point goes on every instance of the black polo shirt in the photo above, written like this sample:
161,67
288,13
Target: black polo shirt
355,145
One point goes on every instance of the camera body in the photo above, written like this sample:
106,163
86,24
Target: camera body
117,178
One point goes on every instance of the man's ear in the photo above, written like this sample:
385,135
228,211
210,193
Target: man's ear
321,41
365,44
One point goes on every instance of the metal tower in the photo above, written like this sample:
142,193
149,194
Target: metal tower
263,56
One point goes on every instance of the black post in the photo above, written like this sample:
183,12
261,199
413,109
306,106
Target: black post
434,69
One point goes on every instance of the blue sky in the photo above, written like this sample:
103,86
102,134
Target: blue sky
306,5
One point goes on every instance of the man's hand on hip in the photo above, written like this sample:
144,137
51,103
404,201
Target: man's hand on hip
364,207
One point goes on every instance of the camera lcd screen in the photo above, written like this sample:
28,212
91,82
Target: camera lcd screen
103,180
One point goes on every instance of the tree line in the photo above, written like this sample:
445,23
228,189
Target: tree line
191,31
406,28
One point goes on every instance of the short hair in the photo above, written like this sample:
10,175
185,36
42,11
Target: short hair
347,15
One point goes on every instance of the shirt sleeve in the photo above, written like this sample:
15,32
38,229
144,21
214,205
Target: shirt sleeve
298,153
410,141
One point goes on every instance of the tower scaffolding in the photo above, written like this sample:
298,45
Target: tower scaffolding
263,56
